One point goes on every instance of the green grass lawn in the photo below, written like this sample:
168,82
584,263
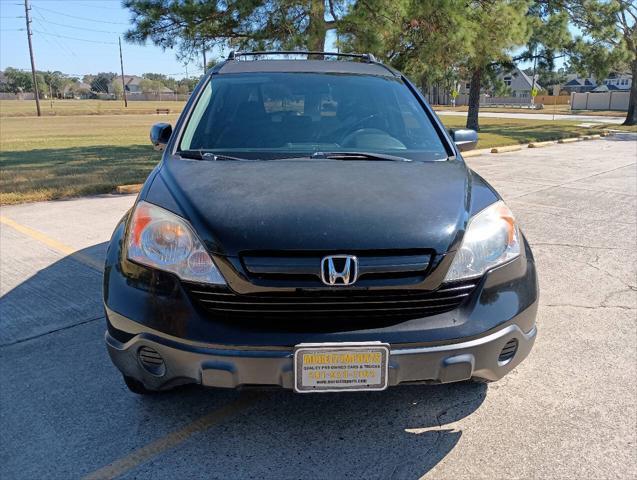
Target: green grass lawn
65,156
26,108
496,132
547,110
58,157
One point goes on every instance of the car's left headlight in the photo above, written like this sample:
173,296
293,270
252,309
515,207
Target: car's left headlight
491,239
160,239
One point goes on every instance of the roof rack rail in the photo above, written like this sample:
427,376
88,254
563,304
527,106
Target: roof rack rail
365,56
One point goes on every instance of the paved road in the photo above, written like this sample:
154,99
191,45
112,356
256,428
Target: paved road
569,411
542,116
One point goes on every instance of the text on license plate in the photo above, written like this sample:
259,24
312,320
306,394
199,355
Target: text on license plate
334,367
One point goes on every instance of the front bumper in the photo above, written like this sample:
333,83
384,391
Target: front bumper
147,308
217,366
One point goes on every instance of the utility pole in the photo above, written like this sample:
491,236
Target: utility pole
121,63
35,83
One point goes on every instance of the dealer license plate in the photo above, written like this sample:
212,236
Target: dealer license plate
336,367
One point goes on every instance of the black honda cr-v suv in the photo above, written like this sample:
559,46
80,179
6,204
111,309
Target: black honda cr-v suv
313,226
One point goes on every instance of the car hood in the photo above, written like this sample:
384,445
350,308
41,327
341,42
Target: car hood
319,205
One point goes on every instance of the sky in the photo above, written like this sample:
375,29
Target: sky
79,37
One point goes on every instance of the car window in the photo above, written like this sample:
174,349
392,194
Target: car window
279,115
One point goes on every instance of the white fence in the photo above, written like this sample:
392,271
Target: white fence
600,101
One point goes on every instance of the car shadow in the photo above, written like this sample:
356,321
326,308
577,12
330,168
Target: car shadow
402,432
57,378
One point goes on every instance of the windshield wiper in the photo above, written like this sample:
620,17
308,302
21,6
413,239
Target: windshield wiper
359,156
201,155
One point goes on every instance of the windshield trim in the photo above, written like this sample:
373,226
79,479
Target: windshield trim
186,114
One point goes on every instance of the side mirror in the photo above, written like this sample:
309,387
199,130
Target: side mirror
160,134
464,138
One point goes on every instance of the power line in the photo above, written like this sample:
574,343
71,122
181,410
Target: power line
79,18
62,46
75,38
79,28
97,6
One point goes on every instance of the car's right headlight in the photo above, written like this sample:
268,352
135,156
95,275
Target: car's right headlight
160,239
491,239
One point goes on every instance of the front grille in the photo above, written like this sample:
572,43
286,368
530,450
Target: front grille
303,269
323,308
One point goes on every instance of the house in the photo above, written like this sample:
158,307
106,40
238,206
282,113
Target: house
518,84
79,90
132,84
615,82
576,84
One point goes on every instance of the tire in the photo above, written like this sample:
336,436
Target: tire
137,387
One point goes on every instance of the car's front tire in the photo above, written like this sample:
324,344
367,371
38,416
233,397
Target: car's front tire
137,387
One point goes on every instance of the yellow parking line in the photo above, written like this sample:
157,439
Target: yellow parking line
54,244
141,455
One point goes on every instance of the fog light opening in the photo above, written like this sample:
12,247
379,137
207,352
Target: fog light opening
508,352
151,361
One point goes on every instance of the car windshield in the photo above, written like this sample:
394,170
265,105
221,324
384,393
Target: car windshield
284,115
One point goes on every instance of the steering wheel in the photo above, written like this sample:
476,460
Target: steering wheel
387,140
349,129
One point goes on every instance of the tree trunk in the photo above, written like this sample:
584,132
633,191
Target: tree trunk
317,27
631,116
474,100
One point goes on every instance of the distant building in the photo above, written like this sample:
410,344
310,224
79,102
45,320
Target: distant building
518,83
79,90
614,82
576,84
132,84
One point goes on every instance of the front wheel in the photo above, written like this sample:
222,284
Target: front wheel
137,387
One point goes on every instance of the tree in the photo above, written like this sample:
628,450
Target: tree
193,27
116,87
150,86
425,40
609,42
18,81
56,81
498,26
102,81
165,80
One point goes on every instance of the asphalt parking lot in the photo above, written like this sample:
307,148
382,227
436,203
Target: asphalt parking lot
568,411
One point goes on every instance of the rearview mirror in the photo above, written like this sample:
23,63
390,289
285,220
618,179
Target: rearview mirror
464,138
160,134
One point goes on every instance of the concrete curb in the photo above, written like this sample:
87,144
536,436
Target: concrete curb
475,153
127,189
507,148
516,147
569,140
541,144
